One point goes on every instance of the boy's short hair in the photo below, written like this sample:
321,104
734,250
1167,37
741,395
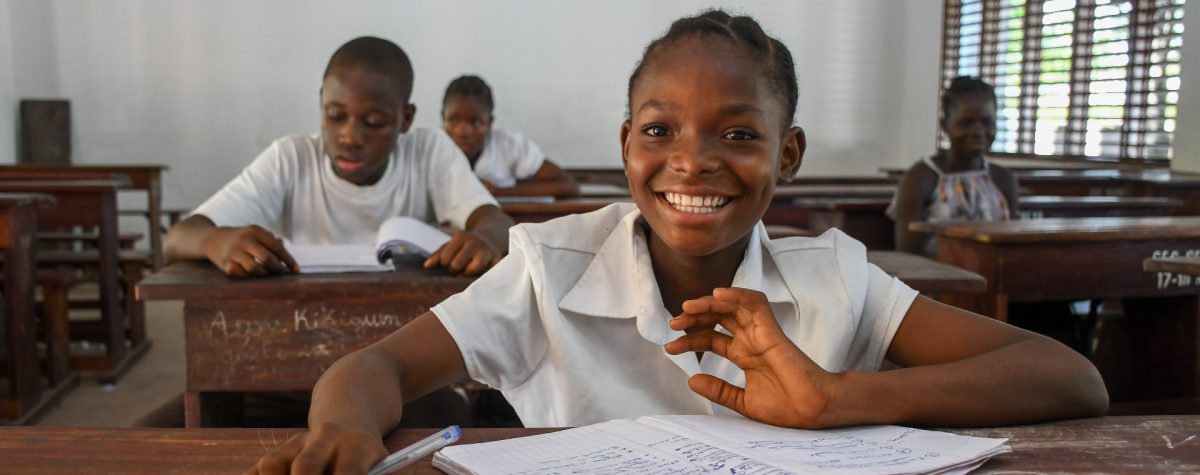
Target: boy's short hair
376,55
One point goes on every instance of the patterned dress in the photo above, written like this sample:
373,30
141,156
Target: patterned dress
961,196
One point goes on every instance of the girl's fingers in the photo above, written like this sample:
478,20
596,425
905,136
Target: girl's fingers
717,390
707,340
707,320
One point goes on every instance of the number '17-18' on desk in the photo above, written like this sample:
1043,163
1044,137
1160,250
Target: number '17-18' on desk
715,444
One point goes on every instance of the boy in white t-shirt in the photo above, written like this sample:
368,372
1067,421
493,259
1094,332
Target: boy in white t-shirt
682,305
508,163
338,186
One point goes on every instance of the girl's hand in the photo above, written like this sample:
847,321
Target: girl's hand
329,448
783,386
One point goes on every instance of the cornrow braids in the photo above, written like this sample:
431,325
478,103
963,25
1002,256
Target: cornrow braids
963,85
742,31
470,86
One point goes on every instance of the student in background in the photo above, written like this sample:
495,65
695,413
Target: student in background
958,184
338,186
612,314
508,163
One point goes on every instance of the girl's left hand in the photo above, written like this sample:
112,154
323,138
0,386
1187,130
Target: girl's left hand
783,386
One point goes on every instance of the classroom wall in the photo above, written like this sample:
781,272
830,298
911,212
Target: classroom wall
1187,141
204,86
8,105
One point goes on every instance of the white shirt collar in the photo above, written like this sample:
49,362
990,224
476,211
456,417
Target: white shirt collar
619,282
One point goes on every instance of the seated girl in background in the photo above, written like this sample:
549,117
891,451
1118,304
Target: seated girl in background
958,184
614,313
508,163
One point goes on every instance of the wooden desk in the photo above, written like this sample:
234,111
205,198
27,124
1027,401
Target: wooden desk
23,397
147,178
927,276
1084,258
93,204
1180,265
280,333
1038,207
539,212
1098,445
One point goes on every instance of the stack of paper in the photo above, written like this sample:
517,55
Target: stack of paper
714,444
337,258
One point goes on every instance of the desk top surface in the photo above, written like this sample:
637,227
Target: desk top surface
1189,265
8,200
927,275
126,168
202,281
1067,229
52,186
1142,444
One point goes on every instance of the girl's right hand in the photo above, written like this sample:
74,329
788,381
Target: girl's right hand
329,448
783,386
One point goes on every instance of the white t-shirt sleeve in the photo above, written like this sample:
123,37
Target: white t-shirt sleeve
528,157
881,300
258,194
453,187
496,322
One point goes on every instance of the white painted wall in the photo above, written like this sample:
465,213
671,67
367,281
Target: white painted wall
204,86
1187,130
8,93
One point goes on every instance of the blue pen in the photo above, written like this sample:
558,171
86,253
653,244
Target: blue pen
415,451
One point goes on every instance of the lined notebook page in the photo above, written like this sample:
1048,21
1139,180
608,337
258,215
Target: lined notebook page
620,446
864,449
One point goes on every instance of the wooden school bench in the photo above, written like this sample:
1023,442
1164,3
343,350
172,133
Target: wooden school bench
147,178
1091,258
91,204
279,333
25,396
1143,444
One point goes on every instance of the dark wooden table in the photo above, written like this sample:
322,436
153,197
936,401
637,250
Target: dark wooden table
1144,444
146,178
92,204
1177,266
1092,258
280,333
539,212
926,275
23,397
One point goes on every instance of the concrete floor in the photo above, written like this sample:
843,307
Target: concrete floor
157,378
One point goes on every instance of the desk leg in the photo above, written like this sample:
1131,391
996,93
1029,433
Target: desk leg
1164,336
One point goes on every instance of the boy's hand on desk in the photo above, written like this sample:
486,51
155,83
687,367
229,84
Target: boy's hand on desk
329,448
783,386
248,250
465,254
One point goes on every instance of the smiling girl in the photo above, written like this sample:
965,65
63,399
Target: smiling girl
615,313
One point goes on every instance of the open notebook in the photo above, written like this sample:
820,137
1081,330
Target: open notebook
397,237
716,444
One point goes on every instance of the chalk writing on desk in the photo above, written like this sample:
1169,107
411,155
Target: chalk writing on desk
1171,280
282,346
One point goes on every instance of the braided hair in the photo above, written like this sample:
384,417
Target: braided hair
962,86
470,86
743,32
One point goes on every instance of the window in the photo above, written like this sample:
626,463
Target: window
1074,78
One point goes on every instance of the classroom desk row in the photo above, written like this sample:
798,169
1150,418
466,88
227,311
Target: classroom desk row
280,333
1156,444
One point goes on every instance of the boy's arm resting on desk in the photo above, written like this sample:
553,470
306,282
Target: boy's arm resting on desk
549,180
963,370
361,397
236,251
478,247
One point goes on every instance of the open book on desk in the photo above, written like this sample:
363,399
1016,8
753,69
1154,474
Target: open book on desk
399,239
716,444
